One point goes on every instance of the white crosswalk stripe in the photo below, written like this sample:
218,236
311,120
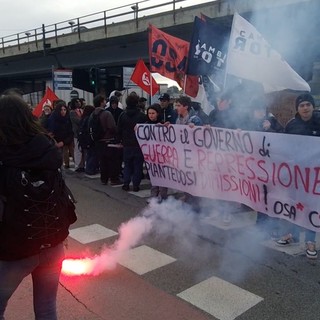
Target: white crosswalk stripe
144,259
91,233
220,298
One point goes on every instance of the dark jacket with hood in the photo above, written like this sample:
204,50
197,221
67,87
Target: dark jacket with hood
20,238
107,123
61,127
307,128
127,121
168,115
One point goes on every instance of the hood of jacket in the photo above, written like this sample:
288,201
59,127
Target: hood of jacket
39,152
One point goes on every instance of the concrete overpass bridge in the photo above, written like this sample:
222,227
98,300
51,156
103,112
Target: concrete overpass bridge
118,37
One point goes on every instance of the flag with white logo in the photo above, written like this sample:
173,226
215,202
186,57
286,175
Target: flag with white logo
207,58
47,100
251,57
143,78
208,48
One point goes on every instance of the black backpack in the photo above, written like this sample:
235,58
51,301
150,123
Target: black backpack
37,211
96,131
84,138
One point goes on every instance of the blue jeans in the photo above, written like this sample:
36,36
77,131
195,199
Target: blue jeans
133,165
45,269
92,161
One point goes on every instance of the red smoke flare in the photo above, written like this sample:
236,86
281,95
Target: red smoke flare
77,267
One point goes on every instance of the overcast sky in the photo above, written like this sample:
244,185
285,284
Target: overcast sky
22,15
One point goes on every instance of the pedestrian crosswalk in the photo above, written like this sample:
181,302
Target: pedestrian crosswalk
222,298
217,297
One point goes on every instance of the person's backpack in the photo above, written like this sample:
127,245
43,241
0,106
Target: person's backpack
84,138
96,131
37,211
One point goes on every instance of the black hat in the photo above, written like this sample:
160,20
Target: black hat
164,96
304,97
142,99
113,99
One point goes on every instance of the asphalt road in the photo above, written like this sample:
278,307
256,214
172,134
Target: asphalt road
183,268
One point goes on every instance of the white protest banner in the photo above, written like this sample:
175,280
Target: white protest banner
278,174
251,57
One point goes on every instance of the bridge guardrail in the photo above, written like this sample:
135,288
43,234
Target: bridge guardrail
37,38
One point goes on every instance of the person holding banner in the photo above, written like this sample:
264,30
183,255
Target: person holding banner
168,114
306,122
183,107
153,113
226,116
260,120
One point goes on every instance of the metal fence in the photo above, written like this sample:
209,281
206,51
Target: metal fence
37,37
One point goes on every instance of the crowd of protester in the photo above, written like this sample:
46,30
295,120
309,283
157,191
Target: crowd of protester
116,155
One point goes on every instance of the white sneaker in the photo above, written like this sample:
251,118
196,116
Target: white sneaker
311,251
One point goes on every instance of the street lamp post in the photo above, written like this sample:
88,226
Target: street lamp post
135,9
28,34
71,23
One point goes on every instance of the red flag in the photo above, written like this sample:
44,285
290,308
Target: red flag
48,99
141,76
168,56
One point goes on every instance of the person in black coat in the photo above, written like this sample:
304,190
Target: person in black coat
168,114
261,120
306,122
60,126
31,240
132,154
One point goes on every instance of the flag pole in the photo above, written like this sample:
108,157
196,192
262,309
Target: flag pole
226,72
53,81
184,84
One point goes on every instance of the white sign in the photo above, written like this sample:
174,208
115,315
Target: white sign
274,173
62,79
127,72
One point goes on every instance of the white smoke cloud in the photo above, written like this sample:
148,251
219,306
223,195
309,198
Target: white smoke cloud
175,221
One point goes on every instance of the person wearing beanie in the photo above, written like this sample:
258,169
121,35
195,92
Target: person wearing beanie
306,122
304,97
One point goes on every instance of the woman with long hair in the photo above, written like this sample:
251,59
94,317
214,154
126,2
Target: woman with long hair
60,126
32,228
